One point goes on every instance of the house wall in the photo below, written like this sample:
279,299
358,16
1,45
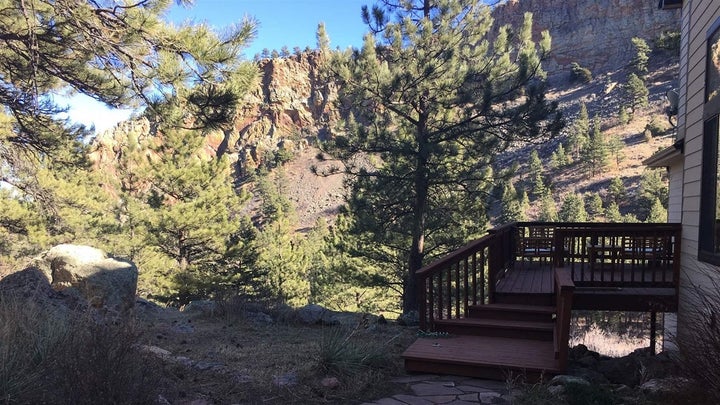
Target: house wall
675,187
697,17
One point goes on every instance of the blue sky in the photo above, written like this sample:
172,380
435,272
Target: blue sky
281,22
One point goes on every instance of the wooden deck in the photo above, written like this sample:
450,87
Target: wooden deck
506,298
532,283
498,356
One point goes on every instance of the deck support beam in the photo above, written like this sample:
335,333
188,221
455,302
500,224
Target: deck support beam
653,332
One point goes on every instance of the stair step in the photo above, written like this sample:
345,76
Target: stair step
532,313
544,299
497,328
482,356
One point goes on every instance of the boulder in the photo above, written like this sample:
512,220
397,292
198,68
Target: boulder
106,283
315,314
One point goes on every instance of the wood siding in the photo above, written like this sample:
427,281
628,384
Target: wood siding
697,17
675,180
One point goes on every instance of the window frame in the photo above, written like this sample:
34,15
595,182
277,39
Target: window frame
709,237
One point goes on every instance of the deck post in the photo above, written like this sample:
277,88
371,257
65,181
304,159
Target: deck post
653,332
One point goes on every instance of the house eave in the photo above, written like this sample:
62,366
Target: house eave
666,157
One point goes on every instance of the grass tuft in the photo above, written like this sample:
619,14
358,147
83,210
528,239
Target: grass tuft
54,356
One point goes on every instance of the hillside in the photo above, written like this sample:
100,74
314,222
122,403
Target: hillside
292,107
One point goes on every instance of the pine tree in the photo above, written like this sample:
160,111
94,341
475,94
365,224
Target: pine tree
535,166
623,116
658,213
429,95
580,132
616,190
539,188
612,213
117,53
573,209
653,186
595,155
616,147
642,56
636,93
593,205
548,210
524,206
510,204
192,220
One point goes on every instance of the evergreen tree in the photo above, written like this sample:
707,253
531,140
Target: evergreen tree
524,206
573,209
559,158
510,204
623,116
642,56
593,205
658,213
612,213
616,147
548,209
580,132
616,190
191,222
653,186
539,188
430,98
117,53
595,154
535,166
636,92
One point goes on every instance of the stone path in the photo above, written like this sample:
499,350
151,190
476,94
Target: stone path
453,390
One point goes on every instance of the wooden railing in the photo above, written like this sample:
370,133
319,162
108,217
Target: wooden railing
465,277
620,255
595,254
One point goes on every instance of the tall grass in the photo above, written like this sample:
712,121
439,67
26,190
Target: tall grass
699,340
54,356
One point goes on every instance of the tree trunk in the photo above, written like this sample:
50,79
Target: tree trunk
417,248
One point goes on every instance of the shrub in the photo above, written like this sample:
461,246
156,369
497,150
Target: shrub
699,343
339,353
55,356
656,128
579,73
668,40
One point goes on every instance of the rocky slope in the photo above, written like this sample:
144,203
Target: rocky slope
292,106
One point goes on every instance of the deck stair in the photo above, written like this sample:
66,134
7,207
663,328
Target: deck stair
492,341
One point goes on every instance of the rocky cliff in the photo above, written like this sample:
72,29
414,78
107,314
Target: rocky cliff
293,105
595,34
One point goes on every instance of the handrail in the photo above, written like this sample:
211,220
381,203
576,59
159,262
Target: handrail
564,289
468,276
465,277
607,255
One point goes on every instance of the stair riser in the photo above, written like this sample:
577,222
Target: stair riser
489,372
493,331
514,315
524,299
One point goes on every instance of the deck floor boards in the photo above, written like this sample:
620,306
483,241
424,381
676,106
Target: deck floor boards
537,278
521,354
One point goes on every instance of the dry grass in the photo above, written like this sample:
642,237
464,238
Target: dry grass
235,360
54,356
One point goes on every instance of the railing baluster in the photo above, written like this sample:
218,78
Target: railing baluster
466,288
431,303
474,278
440,295
449,292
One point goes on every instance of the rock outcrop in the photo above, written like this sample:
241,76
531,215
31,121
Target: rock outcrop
595,34
105,283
